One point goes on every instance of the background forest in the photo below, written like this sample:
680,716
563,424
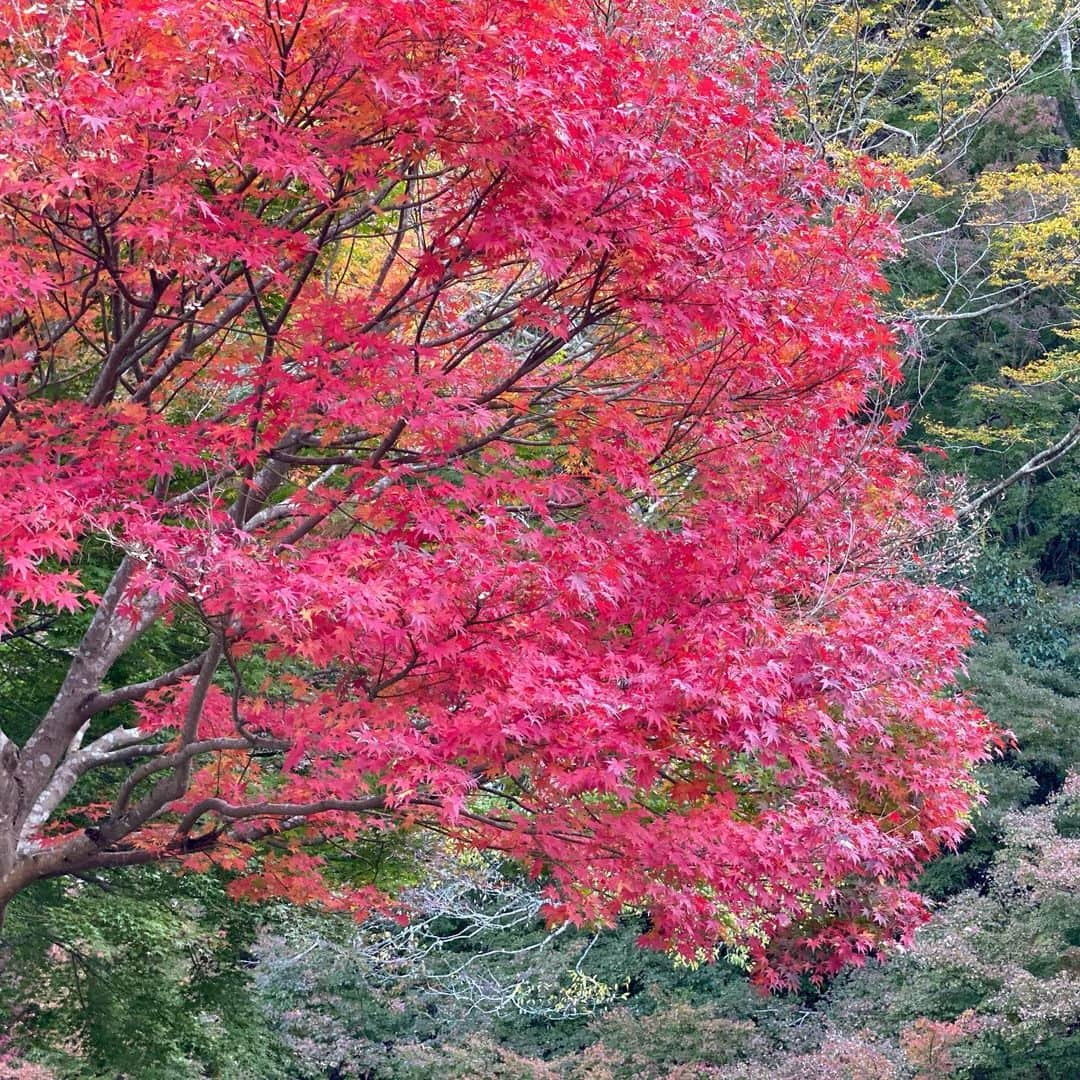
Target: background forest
149,975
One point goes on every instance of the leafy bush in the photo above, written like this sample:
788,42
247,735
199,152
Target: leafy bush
151,983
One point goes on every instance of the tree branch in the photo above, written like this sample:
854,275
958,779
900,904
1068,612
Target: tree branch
1042,460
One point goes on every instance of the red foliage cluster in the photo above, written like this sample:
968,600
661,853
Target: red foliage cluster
493,380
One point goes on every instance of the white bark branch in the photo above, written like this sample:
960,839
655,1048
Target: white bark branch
76,764
1043,459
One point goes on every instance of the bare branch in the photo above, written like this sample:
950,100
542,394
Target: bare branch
1042,460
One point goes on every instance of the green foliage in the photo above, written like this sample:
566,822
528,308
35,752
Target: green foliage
1041,706
629,1046
1040,623
475,1058
142,974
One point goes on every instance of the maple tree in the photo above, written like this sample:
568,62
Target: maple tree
487,392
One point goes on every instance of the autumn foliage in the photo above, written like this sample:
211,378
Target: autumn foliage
489,389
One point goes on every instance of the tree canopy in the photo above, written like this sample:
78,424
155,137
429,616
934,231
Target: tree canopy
487,399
